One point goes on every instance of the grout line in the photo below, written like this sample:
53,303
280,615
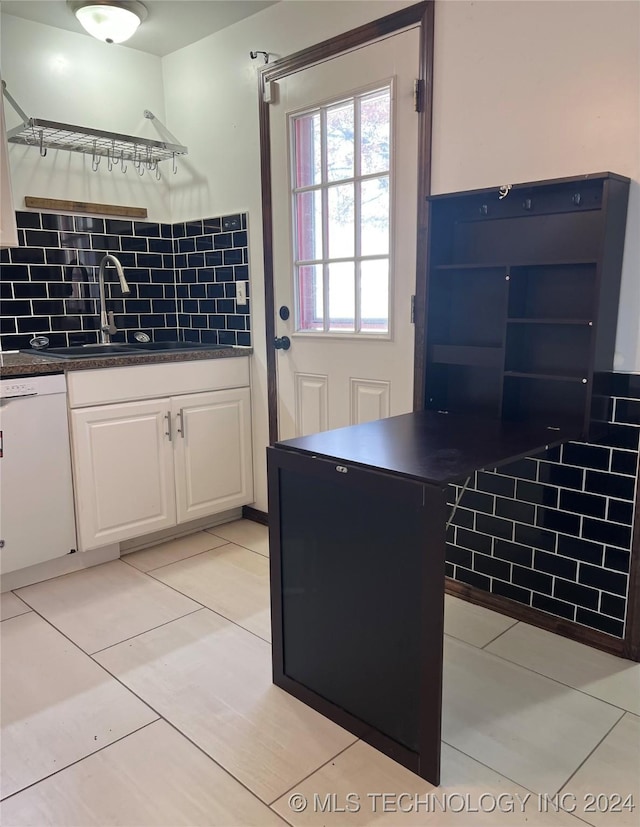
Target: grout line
506,777
317,769
515,623
582,763
555,680
204,752
159,626
235,543
173,563
149,706
79,760
213,611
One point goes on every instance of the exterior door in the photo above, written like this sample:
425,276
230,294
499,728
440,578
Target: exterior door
344,148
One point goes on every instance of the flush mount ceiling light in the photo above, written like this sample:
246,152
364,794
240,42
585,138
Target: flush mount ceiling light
112,21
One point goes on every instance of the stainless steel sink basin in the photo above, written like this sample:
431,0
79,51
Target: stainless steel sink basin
119,349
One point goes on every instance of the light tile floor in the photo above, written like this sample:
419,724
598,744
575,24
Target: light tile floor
139,693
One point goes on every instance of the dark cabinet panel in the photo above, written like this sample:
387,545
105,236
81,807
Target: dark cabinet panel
522,297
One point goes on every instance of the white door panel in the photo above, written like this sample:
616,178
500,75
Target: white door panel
212,452
311,403
369,400
305,403
123,462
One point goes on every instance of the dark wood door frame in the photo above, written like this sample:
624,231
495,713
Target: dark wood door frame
419,15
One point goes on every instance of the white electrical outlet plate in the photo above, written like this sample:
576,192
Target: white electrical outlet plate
241,292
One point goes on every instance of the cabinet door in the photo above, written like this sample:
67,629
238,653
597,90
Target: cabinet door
212,452
123,463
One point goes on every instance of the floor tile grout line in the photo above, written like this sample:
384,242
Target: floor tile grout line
555,680
235,622
506,777
248,548
26,612
149,706
165,565
90,654
64,574
317,769
204,752
504,631
582,763
80,760
153,628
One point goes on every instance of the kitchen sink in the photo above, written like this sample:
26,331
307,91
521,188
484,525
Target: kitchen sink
155,346
119,349
83,351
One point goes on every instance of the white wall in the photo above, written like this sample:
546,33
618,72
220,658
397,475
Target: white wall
531,90
73,78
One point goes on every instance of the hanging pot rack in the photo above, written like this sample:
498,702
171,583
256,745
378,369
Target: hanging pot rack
118,150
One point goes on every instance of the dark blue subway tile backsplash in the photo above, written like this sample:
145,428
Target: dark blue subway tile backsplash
49,282
562,543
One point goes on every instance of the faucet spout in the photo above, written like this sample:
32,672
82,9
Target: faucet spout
107,325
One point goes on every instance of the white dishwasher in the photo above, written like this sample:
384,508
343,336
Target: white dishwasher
36,492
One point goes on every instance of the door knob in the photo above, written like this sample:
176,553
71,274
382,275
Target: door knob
282,343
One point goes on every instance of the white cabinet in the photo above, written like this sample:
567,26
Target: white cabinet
212,452
142,466
123,466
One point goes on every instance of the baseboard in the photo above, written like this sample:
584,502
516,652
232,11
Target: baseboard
173,533
255,515
61,565
558,625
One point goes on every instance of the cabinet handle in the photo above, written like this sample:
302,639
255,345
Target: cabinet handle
181,418
168,433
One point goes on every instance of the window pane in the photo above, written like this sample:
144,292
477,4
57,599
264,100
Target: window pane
374,296
308,224
341,221
308,157
342,296
310,297
340,142
374,216
375,116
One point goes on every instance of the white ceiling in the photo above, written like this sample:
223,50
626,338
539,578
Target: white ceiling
170,25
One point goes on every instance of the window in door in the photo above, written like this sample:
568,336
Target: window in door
340,187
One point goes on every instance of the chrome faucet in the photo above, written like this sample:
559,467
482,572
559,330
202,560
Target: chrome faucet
107,324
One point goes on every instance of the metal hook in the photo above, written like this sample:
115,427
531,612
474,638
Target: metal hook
254,55
95,159
122,164
175,166
109,161
115,161
158,173
43,150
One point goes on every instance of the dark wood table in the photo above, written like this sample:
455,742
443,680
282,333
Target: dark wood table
357,524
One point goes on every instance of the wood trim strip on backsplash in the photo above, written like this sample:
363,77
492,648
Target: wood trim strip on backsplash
59,204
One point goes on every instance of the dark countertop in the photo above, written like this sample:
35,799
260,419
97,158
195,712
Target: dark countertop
27,364
429,446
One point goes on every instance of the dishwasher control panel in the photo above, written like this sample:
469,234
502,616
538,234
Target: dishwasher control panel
18,388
